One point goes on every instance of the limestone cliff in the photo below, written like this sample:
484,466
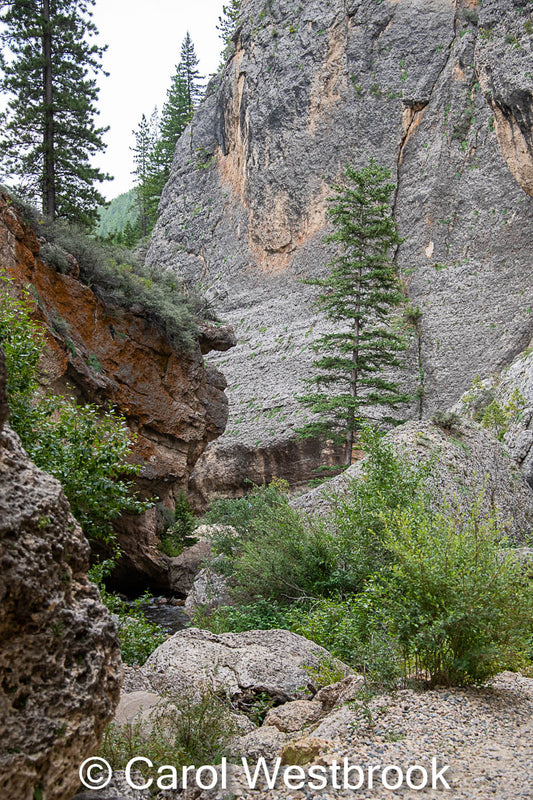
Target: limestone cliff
438,91
60,662
174,403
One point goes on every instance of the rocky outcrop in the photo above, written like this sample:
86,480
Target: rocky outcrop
510,394
278,663
441,93
467,464
208,591
60,665
172,402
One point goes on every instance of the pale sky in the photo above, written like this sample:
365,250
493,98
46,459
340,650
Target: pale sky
144,41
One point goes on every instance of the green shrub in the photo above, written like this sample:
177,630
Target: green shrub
84,447
260,615
191,728
138,637
119,277
388,482
22,340
447,420
384,582
495,414
460,606
178,527
354,631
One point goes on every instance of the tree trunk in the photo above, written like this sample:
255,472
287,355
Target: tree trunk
49,181
354,378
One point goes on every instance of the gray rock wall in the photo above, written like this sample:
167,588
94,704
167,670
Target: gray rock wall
440,92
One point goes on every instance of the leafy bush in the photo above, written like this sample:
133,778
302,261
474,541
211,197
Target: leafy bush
85,448
495,414
260,615
399,588
138,637
459,605
447,420
22,340
191,728
178,527
388,482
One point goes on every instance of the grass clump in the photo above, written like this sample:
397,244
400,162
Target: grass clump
191,727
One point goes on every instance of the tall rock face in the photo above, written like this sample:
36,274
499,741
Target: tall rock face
60,664
438,91
173,402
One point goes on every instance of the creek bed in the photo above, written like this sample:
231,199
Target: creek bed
169,617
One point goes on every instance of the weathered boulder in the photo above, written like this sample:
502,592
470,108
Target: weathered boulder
172,401
209,590
184,569
467,463
440,92
59,655
294,716
265,742
276,662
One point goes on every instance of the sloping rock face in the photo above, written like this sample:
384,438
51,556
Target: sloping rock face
512,390
467,465
60,662
173,402
438,91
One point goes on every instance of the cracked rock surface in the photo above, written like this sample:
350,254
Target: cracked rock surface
438,91
277,662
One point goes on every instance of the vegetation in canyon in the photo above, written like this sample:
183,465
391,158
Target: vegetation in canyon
49,68
385,581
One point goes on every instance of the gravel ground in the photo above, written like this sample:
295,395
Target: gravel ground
485,735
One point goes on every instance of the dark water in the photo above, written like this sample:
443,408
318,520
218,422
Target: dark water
170,618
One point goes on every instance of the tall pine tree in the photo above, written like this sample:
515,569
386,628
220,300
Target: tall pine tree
47,133
358,297
193,79
147,171
175,116
156,141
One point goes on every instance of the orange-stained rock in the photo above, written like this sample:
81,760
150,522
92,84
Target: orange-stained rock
103,354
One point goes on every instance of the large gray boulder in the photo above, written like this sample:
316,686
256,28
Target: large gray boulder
467,463
278,663
438,91
59,655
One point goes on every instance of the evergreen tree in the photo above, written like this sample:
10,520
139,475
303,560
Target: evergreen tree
155,141
48,136
227,24
146,171
193,79
175,116
358,296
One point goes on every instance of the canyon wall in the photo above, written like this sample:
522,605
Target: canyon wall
173,402
438,91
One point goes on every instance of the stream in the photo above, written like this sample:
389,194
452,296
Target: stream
163,612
